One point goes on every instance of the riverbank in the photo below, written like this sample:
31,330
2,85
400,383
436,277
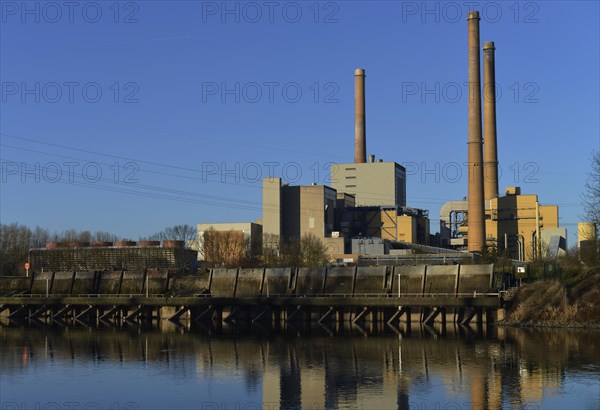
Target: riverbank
574,303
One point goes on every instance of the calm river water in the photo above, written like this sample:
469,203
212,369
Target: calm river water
147,369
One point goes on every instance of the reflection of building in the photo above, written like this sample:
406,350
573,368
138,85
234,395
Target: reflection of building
337,371
536,381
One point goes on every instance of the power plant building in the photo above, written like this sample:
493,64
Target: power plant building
517,225
367,198
290,212
371,183
513,223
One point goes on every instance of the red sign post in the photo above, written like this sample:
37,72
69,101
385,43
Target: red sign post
27,266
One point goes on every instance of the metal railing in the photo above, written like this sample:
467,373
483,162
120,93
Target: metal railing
85,295
273,295
386,295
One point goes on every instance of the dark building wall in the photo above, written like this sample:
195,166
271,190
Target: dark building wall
112,258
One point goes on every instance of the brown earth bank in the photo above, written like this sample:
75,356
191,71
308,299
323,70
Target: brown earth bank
574,302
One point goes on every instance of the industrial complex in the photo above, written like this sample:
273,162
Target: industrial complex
365,212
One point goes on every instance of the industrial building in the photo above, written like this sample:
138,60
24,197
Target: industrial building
366,203
587,242
366,200
290,212
516,225
513,224
372,183
106,256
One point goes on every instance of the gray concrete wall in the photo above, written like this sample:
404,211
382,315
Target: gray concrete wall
188,285
223,282
411,278
250,282
63,283
109,282
254,282
441,278
371,279
276,281
10,285
84,283
42,282
340,280
475,278
310,281
158,281
133,282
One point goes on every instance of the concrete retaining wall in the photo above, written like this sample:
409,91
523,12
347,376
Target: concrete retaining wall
340,280
63,283
223,282
249,282
374,279
157,281
109,283
411,279
133,282
475,278
42,283
84,283
277,281
189,285
310,281
269,281
10,285
441,278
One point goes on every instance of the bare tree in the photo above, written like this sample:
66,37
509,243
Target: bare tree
308,251
313,252
591,196
15,240
184,233
102,236
73,235
226,249
590,250
39,237
271,251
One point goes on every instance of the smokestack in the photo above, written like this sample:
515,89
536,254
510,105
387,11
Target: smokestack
475,206
360,121
490,147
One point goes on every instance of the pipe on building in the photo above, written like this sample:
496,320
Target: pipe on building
490,147
476,213
360,120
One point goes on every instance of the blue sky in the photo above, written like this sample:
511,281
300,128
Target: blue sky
132,116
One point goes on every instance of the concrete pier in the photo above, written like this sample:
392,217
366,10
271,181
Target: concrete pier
338,296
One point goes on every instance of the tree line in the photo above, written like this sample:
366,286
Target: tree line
229,249
16,240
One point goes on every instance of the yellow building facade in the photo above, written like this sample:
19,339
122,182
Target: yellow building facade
516,223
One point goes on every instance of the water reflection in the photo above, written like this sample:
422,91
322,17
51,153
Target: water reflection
509,368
